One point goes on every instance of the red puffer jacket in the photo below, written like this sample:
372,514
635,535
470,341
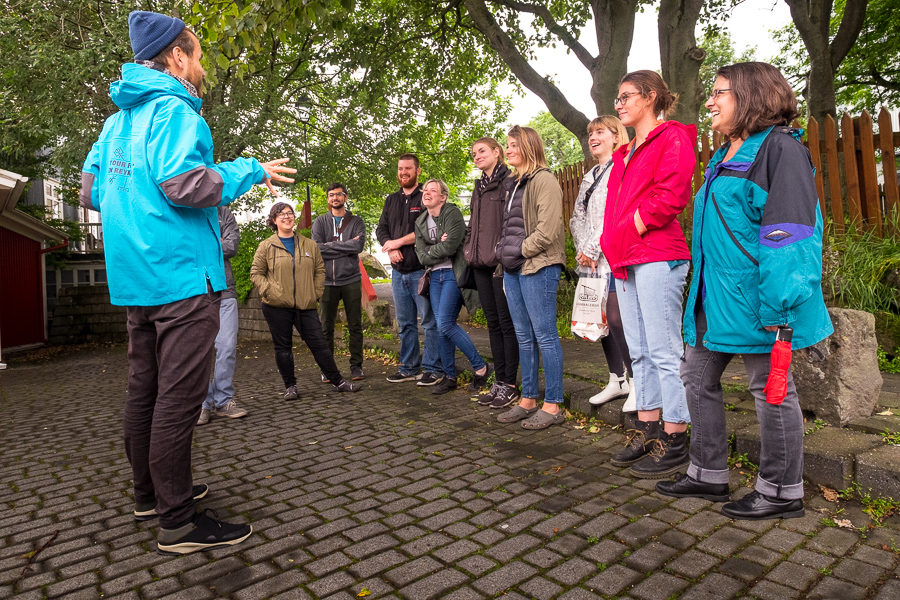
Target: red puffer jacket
657,183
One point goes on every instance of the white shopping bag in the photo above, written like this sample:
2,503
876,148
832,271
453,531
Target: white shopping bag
589,307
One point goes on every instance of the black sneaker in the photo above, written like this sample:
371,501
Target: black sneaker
507,395
428,379
202,533
356,373
399,377
146,512
445,385
346,386
479,381
487,399
290,393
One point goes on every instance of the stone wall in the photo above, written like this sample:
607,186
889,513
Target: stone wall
84,314
251,322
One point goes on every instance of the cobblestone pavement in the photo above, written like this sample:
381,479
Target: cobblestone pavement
391,492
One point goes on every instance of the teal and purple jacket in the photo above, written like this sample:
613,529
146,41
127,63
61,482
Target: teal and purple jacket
757,247
152,176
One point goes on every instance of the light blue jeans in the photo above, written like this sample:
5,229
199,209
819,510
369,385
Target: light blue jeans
532,305
446,302
408,305
650,301
221,388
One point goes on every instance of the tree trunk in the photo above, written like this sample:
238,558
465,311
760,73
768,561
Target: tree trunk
680,57
614,26
812,19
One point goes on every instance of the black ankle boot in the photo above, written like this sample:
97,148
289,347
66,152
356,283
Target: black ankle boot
665,456
688,487
637,443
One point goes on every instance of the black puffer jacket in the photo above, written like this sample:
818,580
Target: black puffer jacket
486,220
509,248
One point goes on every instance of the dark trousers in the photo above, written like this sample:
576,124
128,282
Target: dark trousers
282,322
170,350
614,346
351,294
501,332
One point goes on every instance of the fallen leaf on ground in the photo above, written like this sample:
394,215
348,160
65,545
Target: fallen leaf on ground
885,413
363,593
830,494
844,523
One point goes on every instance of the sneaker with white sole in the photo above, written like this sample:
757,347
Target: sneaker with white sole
203,419
429,379
631,401
201,533
231,410
399,377
145,512
616,388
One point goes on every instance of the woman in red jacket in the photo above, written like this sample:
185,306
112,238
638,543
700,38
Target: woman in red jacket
649,186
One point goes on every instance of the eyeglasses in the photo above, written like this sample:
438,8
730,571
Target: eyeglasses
285,214
336,194
624,98
715,93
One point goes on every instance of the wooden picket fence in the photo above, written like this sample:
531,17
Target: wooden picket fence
849,186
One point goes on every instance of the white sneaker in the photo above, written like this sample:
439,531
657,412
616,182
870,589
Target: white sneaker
631,402
616,388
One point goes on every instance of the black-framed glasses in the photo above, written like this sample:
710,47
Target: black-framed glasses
336,194
286,214
621,100
715,93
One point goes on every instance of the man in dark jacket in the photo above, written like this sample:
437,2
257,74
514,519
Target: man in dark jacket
341,236
220,395
396,235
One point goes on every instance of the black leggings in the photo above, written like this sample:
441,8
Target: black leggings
502,334
614,347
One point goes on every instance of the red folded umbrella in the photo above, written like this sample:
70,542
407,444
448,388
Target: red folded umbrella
776,384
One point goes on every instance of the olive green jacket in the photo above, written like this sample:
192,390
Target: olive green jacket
451,222
287,281
545,233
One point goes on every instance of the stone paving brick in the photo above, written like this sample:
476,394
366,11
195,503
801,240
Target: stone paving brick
693,563
464,593
330,584
641,530
602,525
477,564
557,524
872,556
760,555
714,587
658,586
889,591
568,544
371,546
677,539
742,569
327,564
833,541
426,544
579,594
71,585
860,573
507,576
460,530
541,589
725,541
487,537
509,549
161,587
792,575
126,582
811,559
831,587
781,540
572,571
434,586
650,557
702,524
413,570
613,580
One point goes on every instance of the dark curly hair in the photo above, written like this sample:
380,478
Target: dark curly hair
274,212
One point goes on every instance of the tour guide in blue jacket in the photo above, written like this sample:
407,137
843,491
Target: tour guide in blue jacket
152,177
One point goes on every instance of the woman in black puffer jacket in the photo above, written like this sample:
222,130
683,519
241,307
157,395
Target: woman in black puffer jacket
482,236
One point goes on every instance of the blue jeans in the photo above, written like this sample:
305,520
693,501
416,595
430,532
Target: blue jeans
221,388
650,302
408,304
446,302
532,305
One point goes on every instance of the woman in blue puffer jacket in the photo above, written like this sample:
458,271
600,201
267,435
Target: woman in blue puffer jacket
757,248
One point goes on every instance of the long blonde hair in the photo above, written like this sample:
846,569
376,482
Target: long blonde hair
531,149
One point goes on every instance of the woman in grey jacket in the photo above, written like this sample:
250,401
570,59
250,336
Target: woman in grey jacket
439,238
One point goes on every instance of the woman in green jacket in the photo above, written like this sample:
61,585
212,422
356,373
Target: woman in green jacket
440,231
289,273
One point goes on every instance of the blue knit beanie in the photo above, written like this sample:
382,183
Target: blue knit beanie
151,33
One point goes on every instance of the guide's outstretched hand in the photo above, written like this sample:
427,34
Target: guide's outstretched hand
272,169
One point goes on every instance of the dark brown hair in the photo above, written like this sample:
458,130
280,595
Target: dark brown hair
493,145
531,147
762,97
274,212
184,40
409,156
651,81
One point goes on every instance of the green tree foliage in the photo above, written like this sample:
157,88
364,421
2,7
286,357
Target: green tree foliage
382,77
561,146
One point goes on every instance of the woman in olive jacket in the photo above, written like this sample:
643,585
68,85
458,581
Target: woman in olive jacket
289,273
532,252
439,237
486,220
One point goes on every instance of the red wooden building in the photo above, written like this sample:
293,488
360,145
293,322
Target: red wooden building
23,298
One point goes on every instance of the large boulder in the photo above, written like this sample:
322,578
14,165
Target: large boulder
374,268
838,379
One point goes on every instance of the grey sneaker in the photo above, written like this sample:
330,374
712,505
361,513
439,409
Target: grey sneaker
356,373
230,410
429,379
400,377
204,416
290,393
201,533
346,386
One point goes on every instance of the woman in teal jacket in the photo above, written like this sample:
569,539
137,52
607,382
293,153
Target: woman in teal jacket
757,248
